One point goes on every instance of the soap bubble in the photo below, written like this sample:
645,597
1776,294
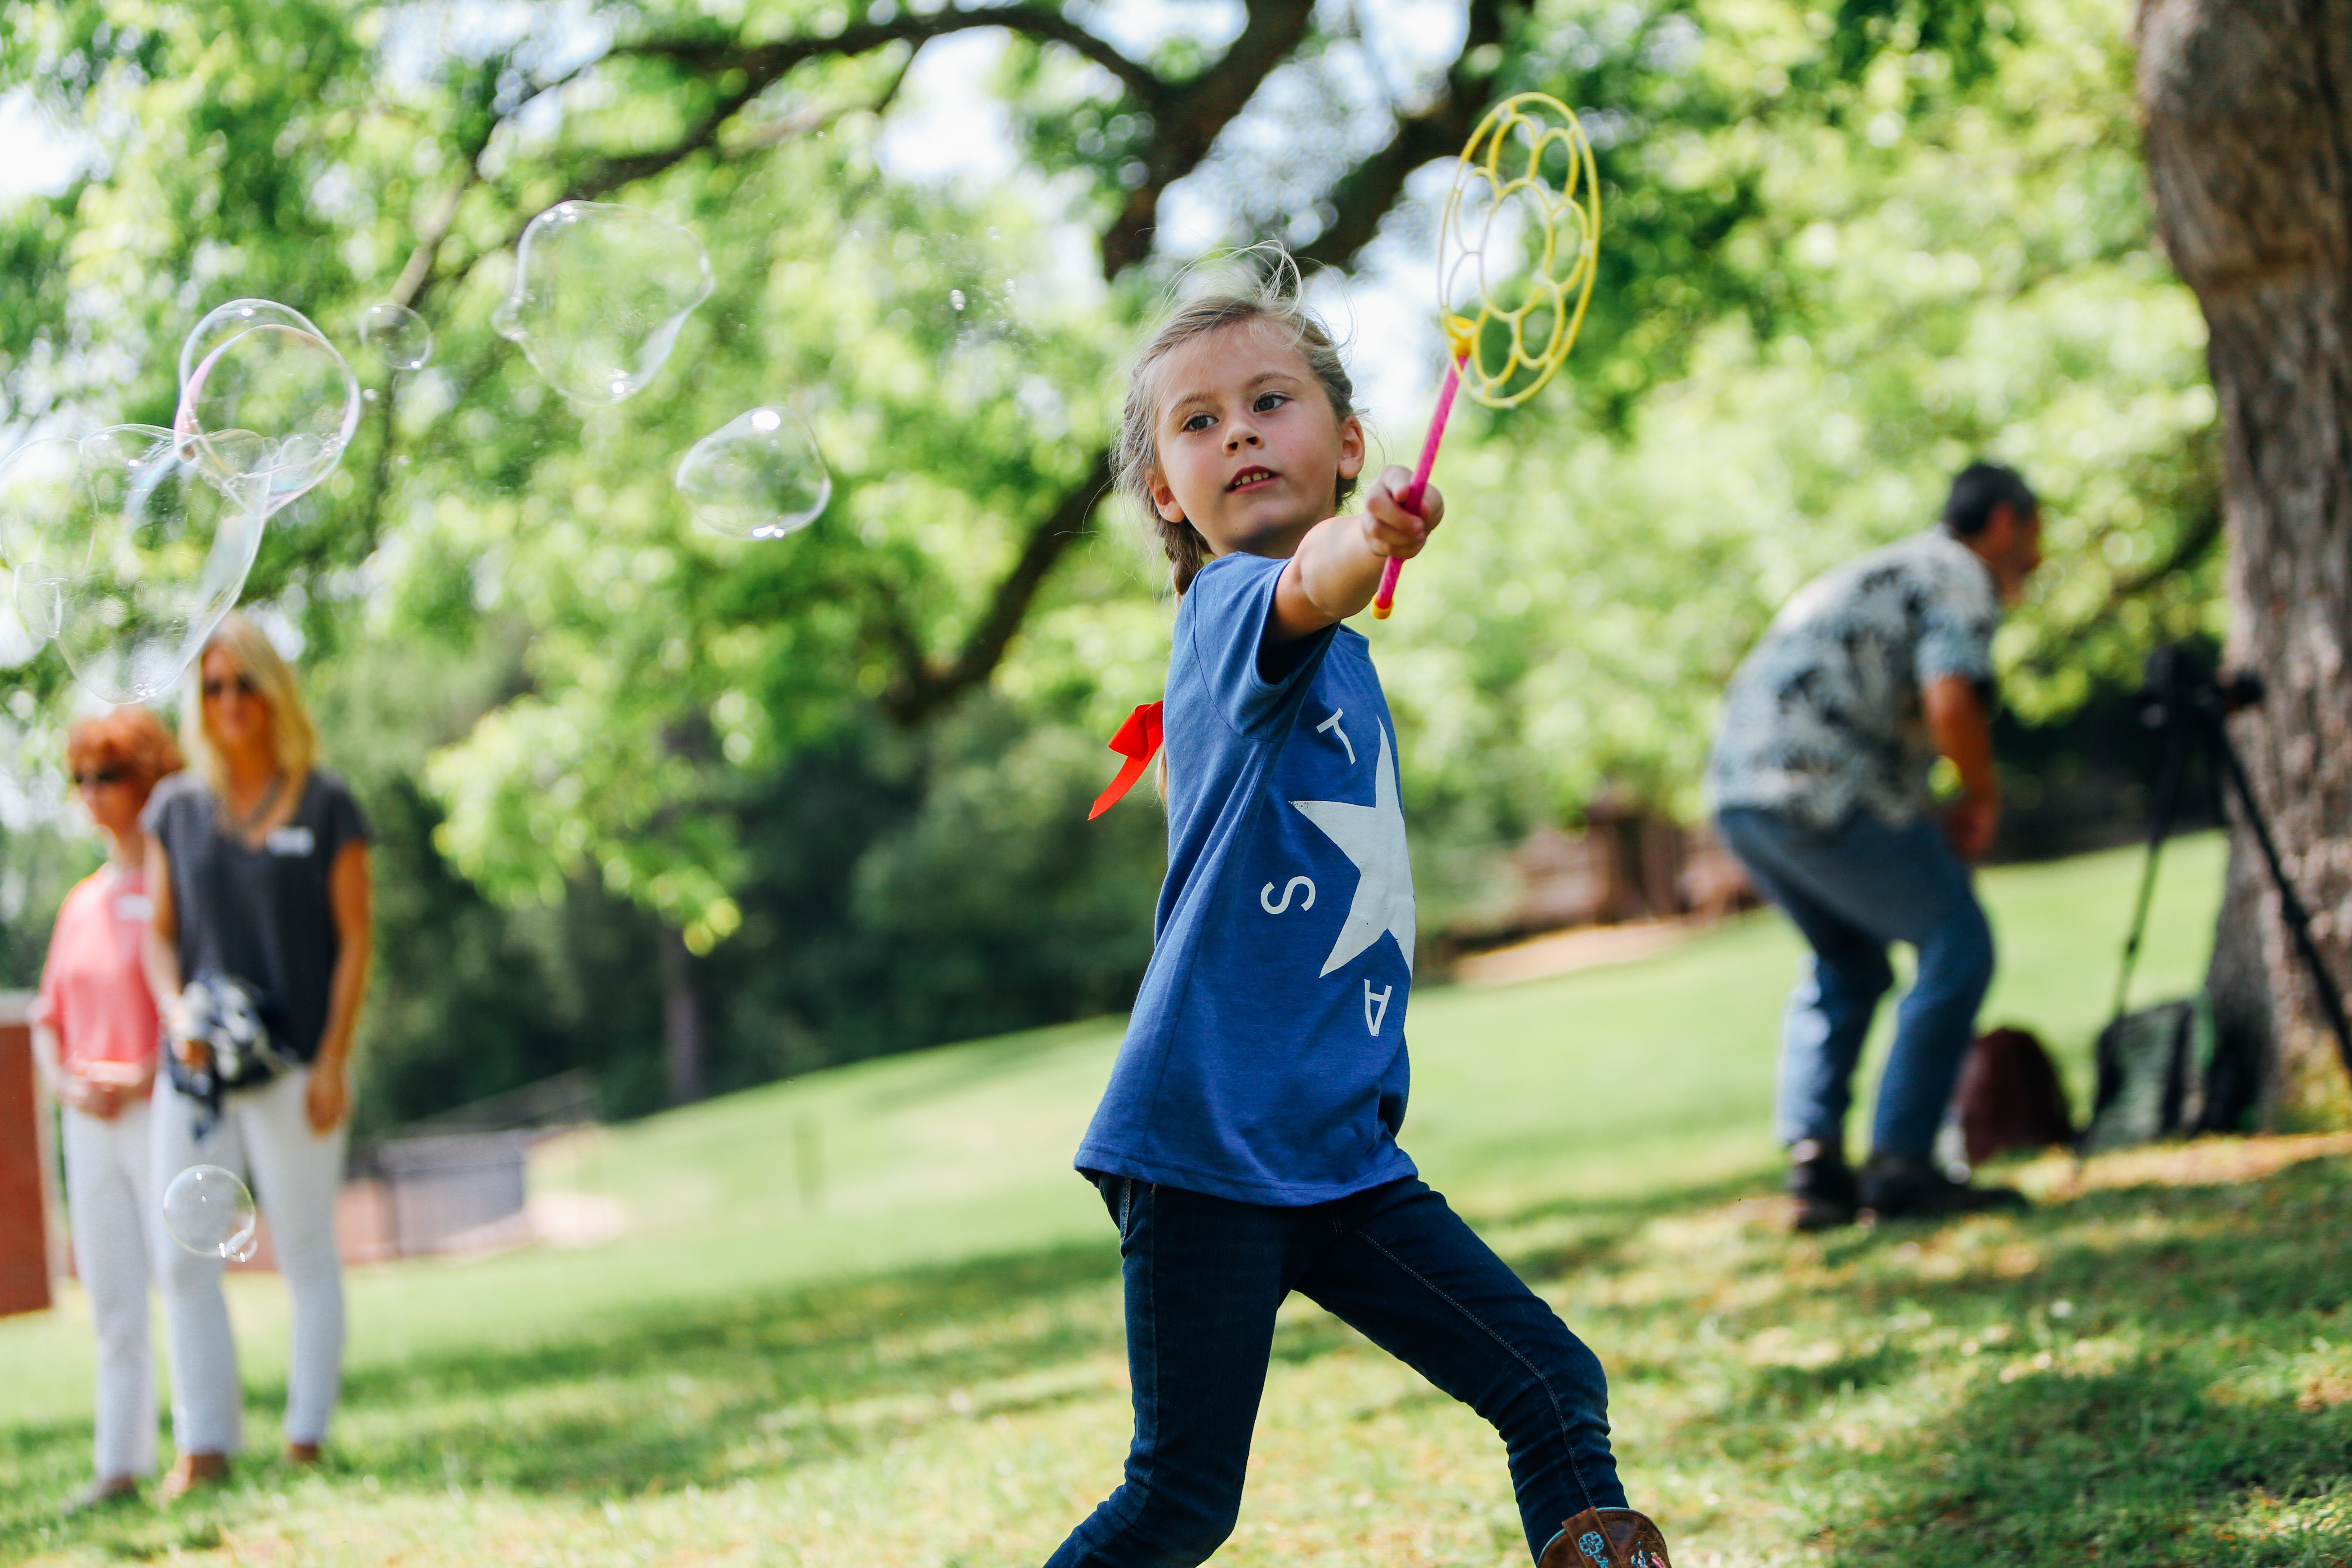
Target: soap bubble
234,319
159,554
759,476
600,294
266,412
208,1211
42,504
982,297
396,335
32,763
970,314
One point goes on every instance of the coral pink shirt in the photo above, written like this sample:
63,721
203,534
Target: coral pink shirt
94,992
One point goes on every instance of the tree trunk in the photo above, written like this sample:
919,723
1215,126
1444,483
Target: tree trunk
2249,143
684,1044
2237,984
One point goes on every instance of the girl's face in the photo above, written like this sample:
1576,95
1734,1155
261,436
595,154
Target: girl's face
114,793
1250,453
235,713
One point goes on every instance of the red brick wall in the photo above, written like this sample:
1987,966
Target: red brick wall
24,1231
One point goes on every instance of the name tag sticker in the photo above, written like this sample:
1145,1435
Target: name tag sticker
291,840
136,908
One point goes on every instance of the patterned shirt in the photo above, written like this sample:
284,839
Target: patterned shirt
1823,719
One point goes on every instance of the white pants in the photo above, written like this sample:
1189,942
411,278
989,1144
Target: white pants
110,1205
265,1136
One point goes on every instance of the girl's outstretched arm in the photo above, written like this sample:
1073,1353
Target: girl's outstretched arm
1336,568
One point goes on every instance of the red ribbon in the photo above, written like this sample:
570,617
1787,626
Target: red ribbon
1138,741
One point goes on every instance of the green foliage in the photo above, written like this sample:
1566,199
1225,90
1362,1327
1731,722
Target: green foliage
1931,274
1844,253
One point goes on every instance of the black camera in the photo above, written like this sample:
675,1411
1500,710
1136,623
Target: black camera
2179,682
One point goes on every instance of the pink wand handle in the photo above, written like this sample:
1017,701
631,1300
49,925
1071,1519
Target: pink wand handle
1409,499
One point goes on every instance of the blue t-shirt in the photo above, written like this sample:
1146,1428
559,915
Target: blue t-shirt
1265,1061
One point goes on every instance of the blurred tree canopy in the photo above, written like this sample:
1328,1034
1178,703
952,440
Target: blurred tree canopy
825,796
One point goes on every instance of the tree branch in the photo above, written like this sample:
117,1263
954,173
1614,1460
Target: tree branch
814,119
614,172
1365,194
927,685
769,61
1188,119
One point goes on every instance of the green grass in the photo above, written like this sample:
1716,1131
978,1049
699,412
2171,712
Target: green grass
917,1360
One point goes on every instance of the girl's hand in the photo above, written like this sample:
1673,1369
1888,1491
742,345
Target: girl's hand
1391,530
91,1098
327,1097
194,1052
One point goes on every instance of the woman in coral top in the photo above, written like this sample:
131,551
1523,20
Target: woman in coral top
94,1032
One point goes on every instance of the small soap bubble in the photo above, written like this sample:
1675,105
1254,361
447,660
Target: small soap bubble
210,1212
42,502
266,412
759,476
396,335
158,554
971,319
600,295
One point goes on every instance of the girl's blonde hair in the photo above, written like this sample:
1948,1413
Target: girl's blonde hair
291,734
1272,297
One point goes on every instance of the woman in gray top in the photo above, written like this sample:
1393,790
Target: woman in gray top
259,874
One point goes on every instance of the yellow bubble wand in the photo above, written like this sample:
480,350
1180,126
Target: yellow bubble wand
1526,174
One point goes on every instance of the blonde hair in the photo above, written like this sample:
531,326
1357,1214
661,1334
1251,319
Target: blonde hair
1272,297
291,735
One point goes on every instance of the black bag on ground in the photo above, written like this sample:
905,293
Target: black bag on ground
2152,1066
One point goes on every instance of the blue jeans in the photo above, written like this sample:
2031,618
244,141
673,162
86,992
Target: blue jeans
1204,1278
1852,891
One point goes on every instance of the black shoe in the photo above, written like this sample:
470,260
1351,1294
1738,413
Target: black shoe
1822,1184
1902,1186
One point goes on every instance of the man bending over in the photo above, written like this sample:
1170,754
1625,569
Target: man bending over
1820,782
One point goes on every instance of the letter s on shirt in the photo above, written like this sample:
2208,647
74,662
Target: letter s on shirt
1265,896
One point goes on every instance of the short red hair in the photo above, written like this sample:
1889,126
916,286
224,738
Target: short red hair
132,739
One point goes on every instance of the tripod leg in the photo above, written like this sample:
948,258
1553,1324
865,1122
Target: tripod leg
2168,807
2298,920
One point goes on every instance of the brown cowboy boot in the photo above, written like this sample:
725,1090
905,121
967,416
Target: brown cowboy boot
1606,1538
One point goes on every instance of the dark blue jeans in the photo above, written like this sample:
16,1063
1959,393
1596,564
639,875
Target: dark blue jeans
1850,892
1204,1278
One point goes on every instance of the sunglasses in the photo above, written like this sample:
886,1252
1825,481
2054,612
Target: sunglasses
100,776
215,690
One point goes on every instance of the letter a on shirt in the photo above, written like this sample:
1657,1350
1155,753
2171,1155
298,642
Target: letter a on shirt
1265,1058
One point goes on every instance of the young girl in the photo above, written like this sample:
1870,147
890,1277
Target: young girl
1246,1145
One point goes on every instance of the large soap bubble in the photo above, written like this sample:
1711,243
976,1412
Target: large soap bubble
42,504
158,554
266,412
208,1211
759,476
396,335
600,294
234,319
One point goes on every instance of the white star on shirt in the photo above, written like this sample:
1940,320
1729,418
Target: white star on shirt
1373,838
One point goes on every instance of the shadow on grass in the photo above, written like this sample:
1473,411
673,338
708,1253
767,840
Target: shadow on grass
2142,1466
2167,1424
2177,1412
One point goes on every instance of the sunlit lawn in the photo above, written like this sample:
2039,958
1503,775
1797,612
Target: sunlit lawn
871,1317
